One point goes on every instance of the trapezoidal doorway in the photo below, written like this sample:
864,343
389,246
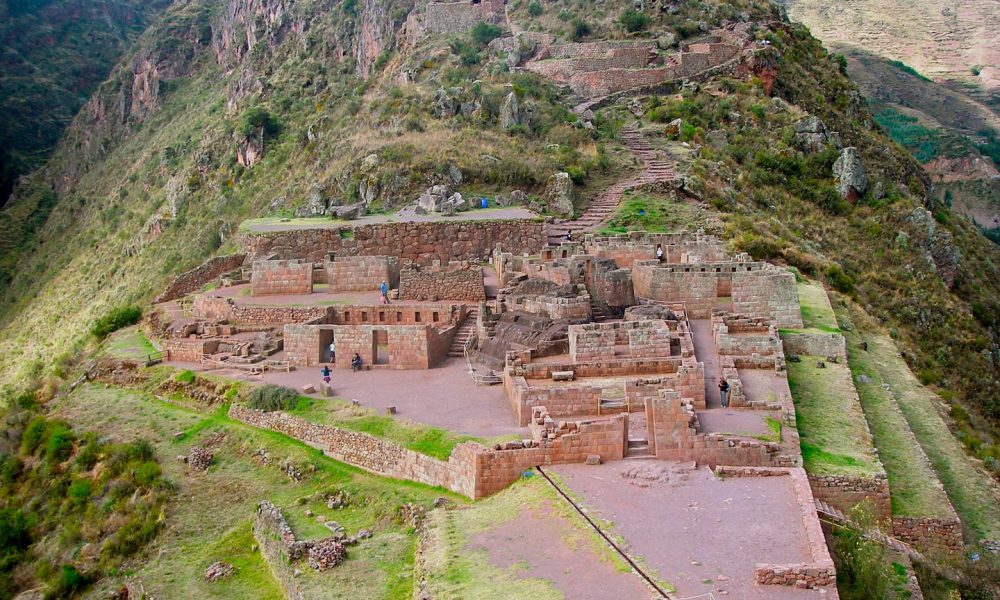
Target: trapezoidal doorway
380,347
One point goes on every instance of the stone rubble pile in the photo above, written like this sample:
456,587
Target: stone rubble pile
218,570
200,458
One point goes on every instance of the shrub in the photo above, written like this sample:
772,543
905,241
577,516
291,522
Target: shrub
79,492
273,397
581,29
253,118
186,377
634,20
34,434
483,33
840,281
147,473
863,564
535,8
69,582
60,443
123,316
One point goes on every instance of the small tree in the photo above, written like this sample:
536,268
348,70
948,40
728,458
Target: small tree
581,29
483,33
535,8
634,20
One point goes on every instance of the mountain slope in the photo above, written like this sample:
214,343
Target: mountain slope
55,52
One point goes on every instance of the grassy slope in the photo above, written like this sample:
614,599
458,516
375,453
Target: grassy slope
971,491
829,418
211,520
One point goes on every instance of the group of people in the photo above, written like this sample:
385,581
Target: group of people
355,363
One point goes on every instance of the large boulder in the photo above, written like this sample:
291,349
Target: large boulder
559,195
434,198
317,203
350,212
518,198
849,171
510,112
811,134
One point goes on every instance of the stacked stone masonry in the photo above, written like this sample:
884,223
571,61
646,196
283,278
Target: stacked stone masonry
442,284
460,16
422,243
277,277
195,279
815,344
360,273
276,541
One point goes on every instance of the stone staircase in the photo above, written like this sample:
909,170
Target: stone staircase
839,518
464,333
638,449
655,169
597,313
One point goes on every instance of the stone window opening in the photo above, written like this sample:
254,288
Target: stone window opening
434,317
416,316
399,317
381,316
364,317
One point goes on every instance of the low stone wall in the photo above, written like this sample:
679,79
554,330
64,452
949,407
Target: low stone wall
215,308
815,344
603,341
844,492
371,453
276,277
674,435
422,243
929,534
195,279
554,307
361,273
472,470
442,284
274,537
188,350
819,570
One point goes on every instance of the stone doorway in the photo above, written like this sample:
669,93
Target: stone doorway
380,347
325,339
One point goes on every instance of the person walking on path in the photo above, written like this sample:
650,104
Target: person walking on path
724,392
326,373
384,290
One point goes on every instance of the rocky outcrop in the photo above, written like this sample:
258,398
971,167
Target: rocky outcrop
935,243
510,112
811,134
559,195
249,150
445,104
849,171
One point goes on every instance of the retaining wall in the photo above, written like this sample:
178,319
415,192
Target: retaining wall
929,534
361,273
274,537
422,243
195,279
815,344
844,492
442,284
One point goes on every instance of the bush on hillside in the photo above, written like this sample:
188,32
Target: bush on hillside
272,397
123,316
483,33
581,29
634,20
535,8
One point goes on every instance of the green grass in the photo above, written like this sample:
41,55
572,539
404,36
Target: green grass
641,211
130,343
425,439
915,488
817,315
831,425
971,491
211,518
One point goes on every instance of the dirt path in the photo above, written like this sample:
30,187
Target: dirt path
655,169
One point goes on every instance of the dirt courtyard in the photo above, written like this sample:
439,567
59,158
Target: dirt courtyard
699,532
443,397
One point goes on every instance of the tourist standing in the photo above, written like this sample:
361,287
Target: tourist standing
659,252
724,392
384,290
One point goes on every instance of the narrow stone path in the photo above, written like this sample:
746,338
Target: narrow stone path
706,353
655,169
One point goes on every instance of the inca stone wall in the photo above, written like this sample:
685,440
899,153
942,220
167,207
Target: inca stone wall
215,308
768,291
696,288
844,492
428,284
422,243
274,537
407,346
929,534
460,17
602,341
816,344
276,277
673,435
195,279
361,273
554,307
